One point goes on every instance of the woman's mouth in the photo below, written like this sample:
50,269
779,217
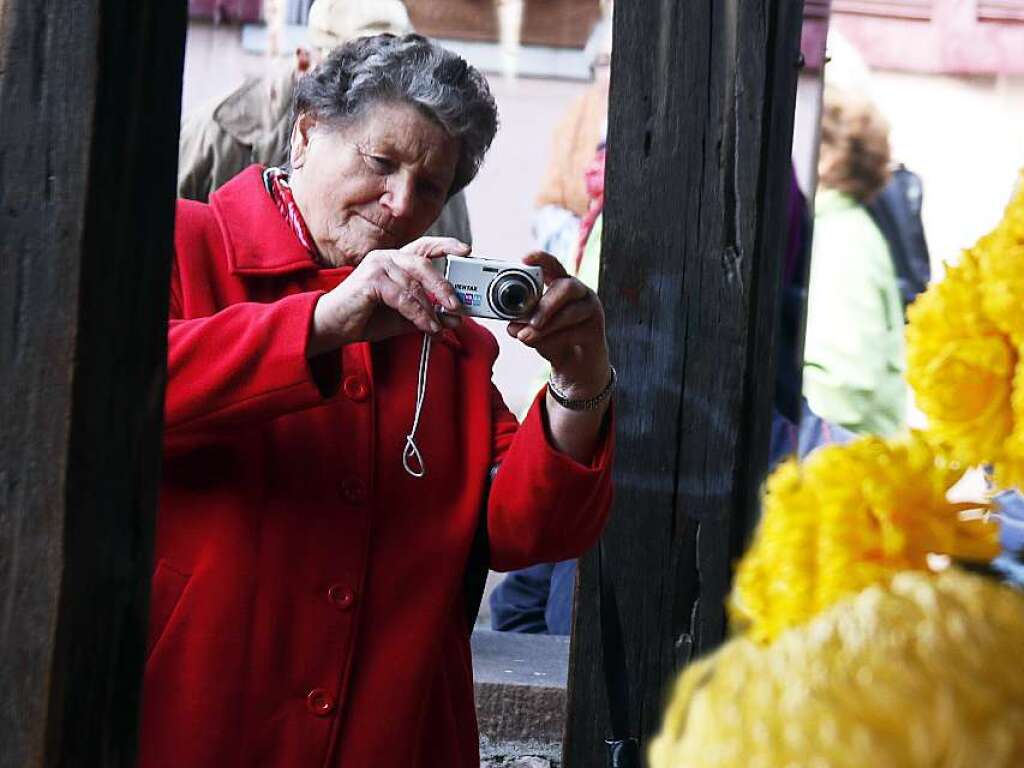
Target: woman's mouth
383,229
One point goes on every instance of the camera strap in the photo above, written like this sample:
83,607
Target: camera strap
412,459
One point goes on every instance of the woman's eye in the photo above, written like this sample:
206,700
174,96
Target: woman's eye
380,164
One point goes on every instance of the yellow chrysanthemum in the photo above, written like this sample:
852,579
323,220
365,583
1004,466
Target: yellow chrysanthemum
921,671
961,366
1001,261
850,516
964,345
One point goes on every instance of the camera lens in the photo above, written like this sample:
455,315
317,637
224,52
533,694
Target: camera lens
513,295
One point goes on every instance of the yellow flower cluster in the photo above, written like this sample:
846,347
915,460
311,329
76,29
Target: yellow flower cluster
965,353
851,650
919,673
847,518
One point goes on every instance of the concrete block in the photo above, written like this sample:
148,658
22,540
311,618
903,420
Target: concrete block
520,683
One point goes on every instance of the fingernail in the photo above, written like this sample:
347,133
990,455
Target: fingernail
434,327
452,303
526,335
537,321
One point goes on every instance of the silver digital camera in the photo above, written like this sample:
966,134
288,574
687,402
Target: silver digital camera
497,289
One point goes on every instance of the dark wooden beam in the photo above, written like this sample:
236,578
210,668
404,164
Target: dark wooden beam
700,132
90,94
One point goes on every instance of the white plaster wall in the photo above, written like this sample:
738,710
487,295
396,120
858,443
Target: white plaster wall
965,137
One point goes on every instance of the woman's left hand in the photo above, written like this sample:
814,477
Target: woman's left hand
567,328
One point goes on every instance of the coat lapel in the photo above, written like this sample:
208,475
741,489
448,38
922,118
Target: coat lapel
257,239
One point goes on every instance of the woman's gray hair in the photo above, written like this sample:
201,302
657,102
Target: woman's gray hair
410,69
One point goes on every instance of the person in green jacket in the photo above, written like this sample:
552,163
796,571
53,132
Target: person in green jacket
854,357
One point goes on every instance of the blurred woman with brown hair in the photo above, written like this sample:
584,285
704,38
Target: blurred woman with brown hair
854,354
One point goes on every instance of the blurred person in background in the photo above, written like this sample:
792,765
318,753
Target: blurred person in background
563,200
897,212
252,124
854,352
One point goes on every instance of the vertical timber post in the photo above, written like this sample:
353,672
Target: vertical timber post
90,98
700,132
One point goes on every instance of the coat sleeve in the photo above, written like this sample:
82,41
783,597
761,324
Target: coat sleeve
544,506
240,367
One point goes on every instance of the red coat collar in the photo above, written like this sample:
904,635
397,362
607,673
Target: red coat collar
257,240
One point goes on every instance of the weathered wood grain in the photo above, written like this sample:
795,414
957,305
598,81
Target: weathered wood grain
700,131
90,96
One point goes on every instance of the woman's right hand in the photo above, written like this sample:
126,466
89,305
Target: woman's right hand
389,293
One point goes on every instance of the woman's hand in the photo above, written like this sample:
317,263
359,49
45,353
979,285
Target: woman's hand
567,329
389,293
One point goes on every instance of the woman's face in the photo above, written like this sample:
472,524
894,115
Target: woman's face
377,183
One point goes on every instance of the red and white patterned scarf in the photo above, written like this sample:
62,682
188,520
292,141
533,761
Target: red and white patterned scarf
276,182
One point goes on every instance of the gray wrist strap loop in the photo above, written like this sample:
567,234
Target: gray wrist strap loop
412,459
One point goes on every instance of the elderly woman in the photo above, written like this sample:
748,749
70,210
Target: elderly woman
307,602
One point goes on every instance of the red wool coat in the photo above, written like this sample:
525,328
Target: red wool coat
307,605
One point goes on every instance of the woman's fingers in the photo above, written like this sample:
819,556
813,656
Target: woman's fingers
420,269
411,304
560,346
400,291
576,313
419,282
552,267
433,247
559,294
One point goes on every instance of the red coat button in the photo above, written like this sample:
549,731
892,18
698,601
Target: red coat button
353,491
319,702
343,597
356,388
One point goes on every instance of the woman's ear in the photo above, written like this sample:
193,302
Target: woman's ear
300,140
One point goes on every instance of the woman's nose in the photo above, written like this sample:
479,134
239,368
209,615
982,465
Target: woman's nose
399,198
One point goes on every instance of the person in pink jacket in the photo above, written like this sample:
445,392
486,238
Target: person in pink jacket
306,605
